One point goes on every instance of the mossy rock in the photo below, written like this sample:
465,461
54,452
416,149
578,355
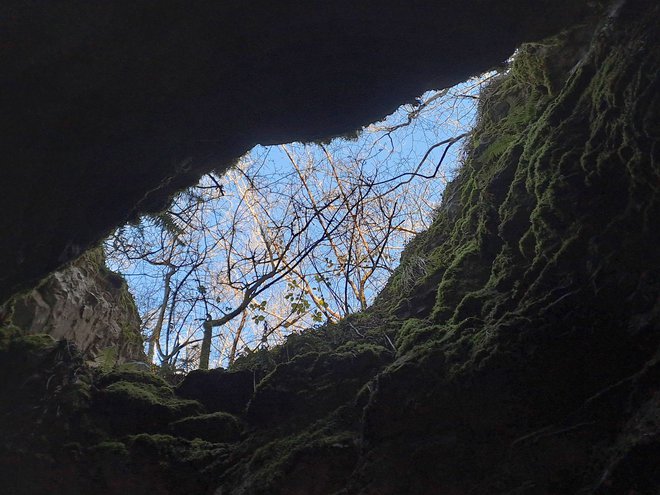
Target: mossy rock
109,449
12,340
316,459
44,390
363,348
218,427
147,464
108,462
315,384
132,407
188,466
368,325
128,374
7,334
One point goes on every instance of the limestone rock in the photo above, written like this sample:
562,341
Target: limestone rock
88,305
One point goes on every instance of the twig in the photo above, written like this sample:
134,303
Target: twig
356,330
390,342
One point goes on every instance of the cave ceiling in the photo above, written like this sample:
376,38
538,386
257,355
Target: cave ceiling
111,107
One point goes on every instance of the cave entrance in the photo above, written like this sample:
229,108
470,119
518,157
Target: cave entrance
293,236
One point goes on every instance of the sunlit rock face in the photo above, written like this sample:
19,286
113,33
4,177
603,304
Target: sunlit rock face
88,305
108,108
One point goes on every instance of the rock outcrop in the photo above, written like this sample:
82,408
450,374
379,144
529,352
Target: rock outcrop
88,305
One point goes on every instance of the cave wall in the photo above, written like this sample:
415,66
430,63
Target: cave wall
532,337
111,107
515,350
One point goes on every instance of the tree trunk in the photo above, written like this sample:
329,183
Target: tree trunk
155,334
205,352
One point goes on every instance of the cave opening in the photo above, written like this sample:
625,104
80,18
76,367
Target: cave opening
514,349
293,236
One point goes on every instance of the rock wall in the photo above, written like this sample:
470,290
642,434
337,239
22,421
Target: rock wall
88,305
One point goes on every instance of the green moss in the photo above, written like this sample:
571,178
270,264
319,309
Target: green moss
219,427
106,358
465,272
409,273
44,392
127,373
465,254
357,347
329,445
35,342
414,332
171,453
149,464
8,333
314,384
135,392
131,407
143,395
370,327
